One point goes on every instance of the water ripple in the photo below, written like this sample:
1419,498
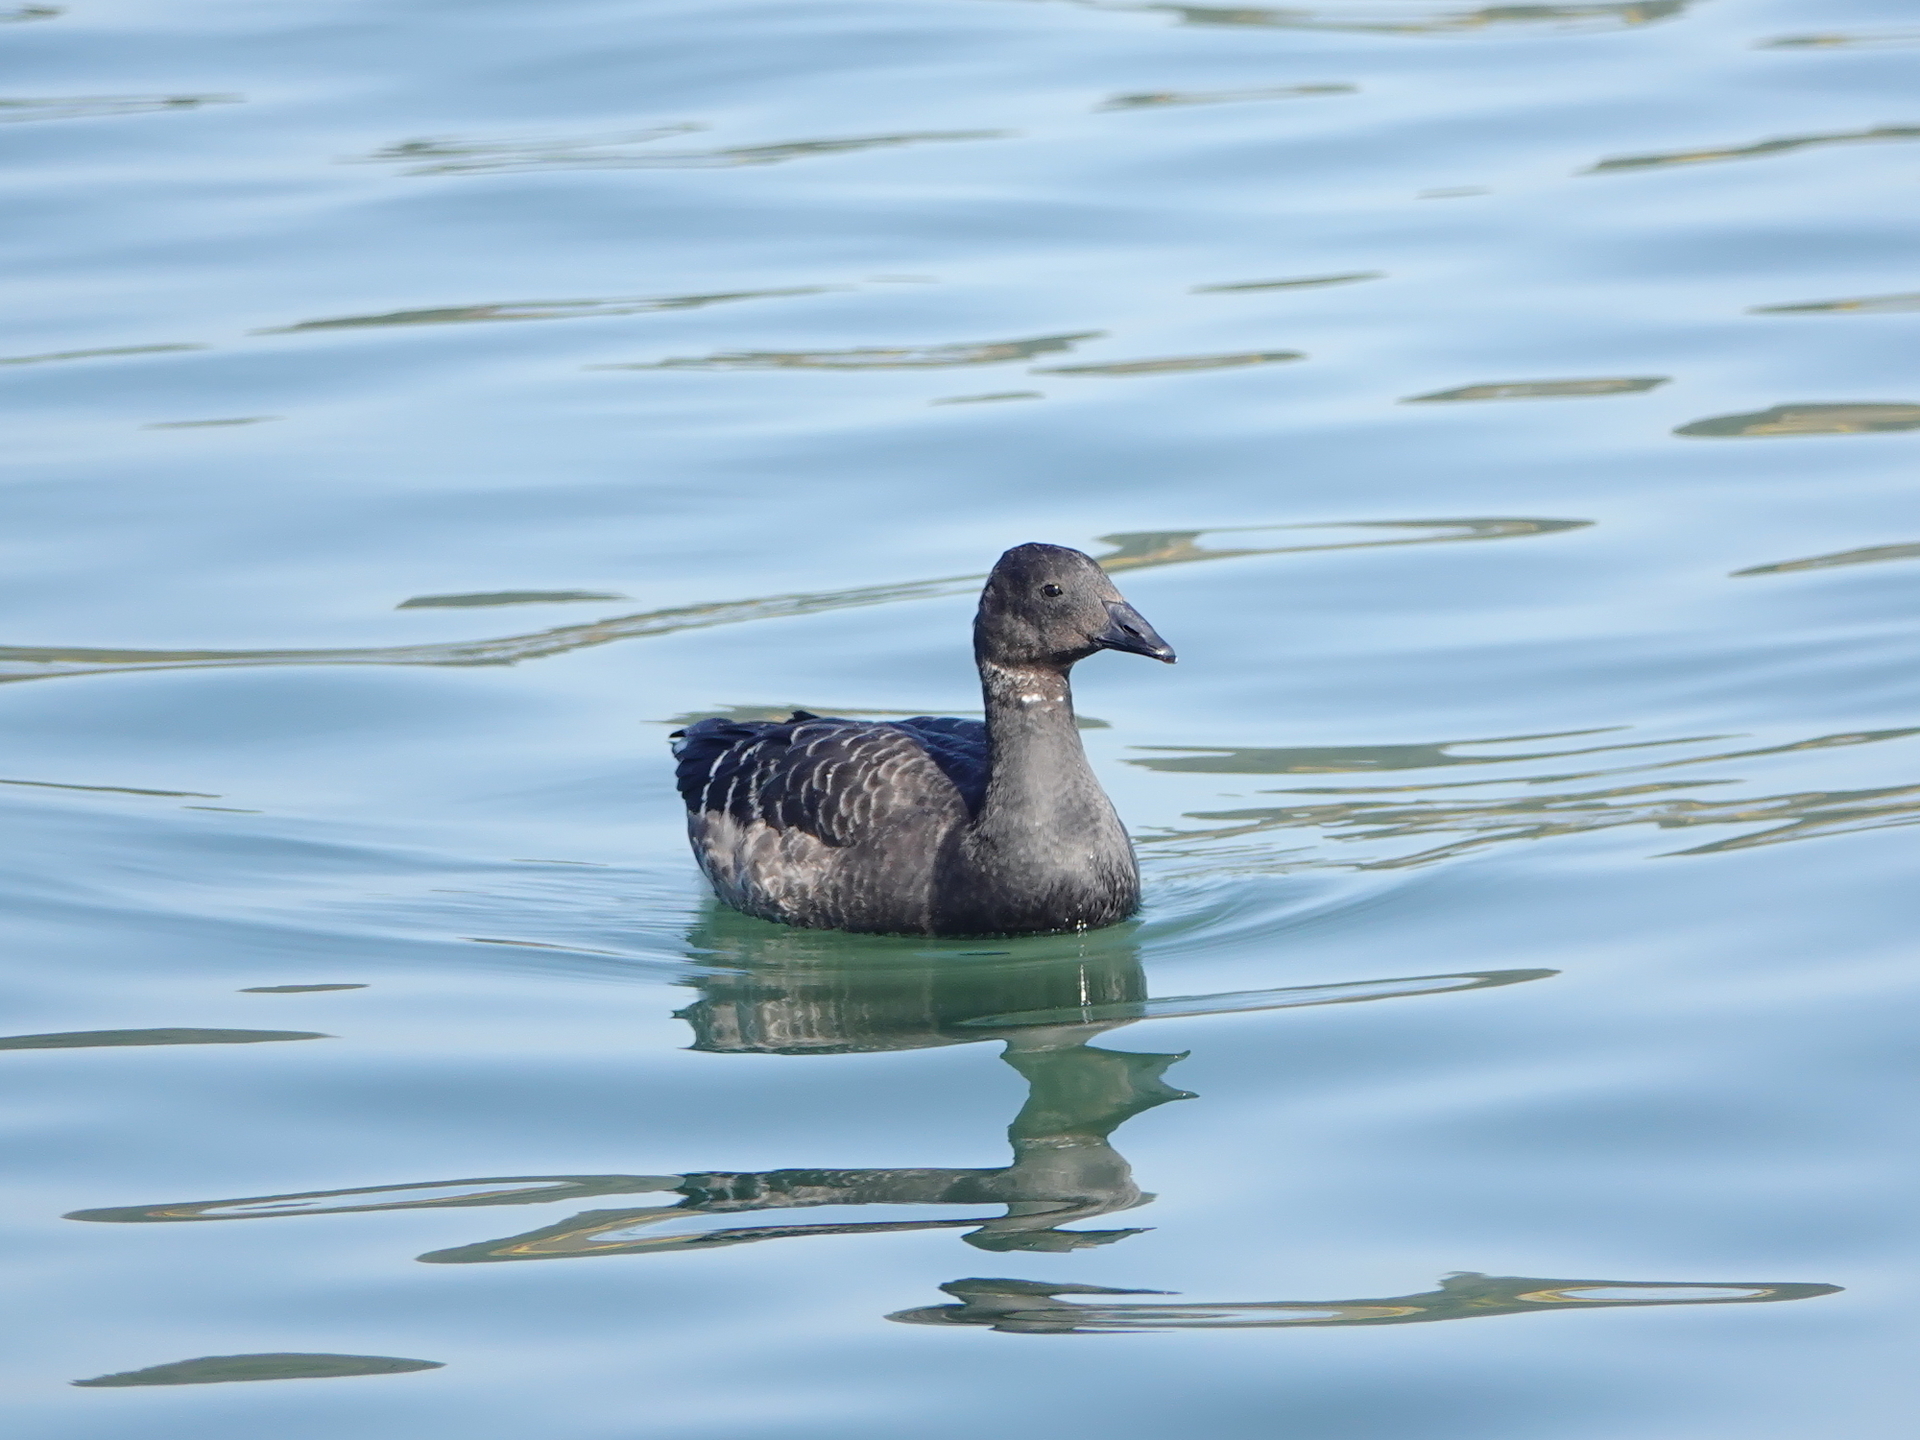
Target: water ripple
801,993
506,597
1133,551
89,1039
1866,417
282,1365
1309,282
870,357
612,152
108,353
542,310
1381,20
88,107
1780,146
1029,1307
1865,305
1544,389
1775,819
1148,99
1175,365
1870,555
1832,41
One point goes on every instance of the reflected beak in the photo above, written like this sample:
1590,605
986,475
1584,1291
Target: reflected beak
1129,632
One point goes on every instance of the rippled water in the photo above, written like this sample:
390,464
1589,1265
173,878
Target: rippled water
417,410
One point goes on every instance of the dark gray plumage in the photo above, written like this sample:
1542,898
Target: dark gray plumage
934,826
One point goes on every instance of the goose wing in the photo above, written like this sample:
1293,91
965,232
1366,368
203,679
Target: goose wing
836,780
959,748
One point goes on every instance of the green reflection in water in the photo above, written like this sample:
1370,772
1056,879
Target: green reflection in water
1342,759
221,1369
1134,551
506,597
29,12
1749,152
1802,815
1025,1307
1867,417
449,156
1090,1011
1150,99
613,152
1384,20
774,991
294,989
1543,389
114,789
1173,366
1837,42
438,1195
770,990
86,1039
544,310
88,107
1865,305
1868,556
1309,282
983,399
870,357
109,353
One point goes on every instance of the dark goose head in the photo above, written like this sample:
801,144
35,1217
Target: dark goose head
1047,605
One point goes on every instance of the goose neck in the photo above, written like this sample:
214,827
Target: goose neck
1027,700
1036,755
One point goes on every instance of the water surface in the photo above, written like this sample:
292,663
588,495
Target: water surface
418,410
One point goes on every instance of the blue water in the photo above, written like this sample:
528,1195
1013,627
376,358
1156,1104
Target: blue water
417,410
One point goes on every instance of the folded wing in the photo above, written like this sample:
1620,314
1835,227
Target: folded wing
836,780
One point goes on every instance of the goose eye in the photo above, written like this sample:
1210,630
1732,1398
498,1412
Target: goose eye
1051,590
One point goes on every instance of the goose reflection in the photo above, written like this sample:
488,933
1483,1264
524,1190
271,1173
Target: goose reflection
1045,999
787,993
770,990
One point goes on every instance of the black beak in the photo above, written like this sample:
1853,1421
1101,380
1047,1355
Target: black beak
1128,631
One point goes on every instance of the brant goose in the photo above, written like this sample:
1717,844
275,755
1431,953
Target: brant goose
934,826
